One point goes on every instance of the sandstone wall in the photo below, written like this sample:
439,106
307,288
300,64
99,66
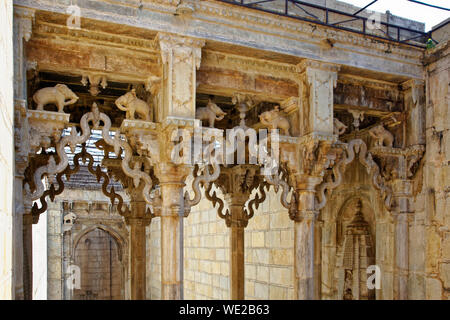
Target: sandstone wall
437,176
6,151
268,254
206,254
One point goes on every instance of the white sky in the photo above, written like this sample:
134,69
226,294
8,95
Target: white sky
410,10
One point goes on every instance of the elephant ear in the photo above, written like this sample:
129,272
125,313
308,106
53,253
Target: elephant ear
61,87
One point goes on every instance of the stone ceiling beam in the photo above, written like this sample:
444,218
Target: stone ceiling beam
240,27
75,58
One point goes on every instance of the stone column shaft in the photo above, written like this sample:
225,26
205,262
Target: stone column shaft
237,262
171,241
28,256
402,194
304,259
401,257
137,257
304,239
237,221
318,260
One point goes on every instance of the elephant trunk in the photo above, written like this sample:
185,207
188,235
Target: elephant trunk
73,98
120,106
218,118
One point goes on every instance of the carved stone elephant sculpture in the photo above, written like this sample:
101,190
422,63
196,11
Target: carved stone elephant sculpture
273,120
211,112
381,136
130,103
57,95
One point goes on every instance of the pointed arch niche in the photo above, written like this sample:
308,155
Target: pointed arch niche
355,231
98,251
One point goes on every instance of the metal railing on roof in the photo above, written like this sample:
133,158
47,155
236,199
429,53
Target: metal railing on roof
301,10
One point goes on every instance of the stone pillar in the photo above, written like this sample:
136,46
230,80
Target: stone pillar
402,190
316,83
401,164
172,181
18,230
22,28
304,238
318,260
237,184
138,219
237,224
28,256
138,252
181,58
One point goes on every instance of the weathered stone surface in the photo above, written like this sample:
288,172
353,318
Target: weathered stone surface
362,122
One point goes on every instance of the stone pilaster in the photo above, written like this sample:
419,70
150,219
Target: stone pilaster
403,212
316,83
23,23
181,57
414,103
304,227
398,167
22,29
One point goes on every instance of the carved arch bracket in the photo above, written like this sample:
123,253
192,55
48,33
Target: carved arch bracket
53,167
346,156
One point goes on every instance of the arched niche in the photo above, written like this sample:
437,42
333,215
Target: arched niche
333,218
98,252
355,249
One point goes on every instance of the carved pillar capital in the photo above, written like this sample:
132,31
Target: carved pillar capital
398,163
138,221
237,184
179,47
237,216
171,174
317,154
311,66
45,128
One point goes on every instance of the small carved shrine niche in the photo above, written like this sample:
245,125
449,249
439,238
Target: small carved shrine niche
355,255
